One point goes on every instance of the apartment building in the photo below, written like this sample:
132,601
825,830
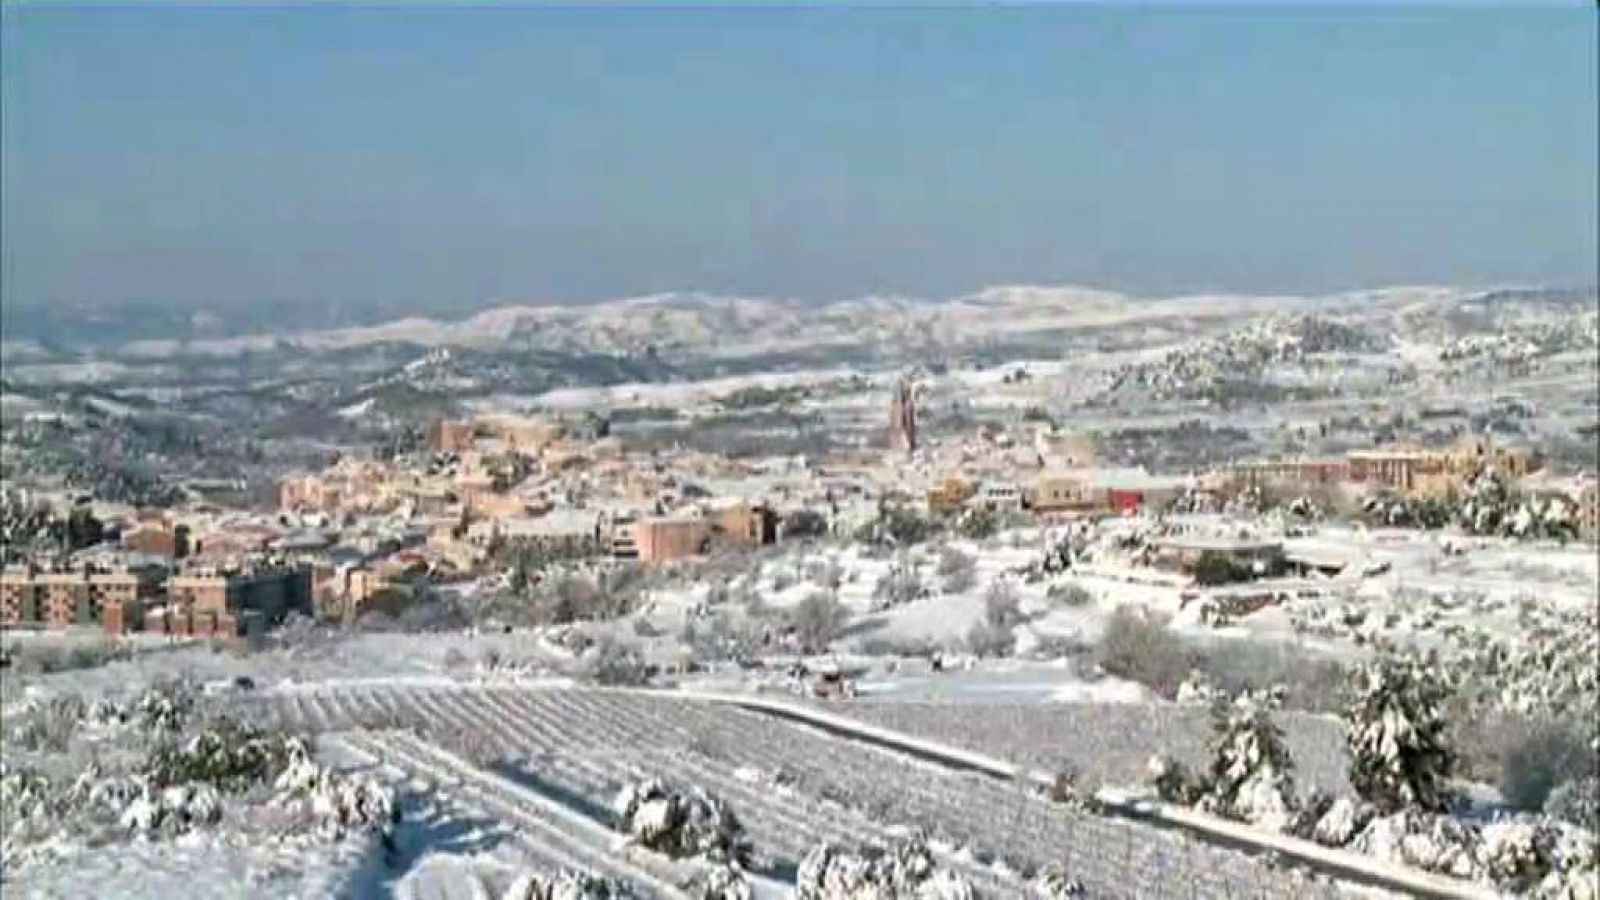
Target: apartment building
227,602
31,596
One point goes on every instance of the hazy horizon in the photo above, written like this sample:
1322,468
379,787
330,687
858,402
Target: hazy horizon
446,160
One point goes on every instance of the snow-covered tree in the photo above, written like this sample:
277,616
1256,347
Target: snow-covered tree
565,886
1400,754
681,822
1251,775
903,871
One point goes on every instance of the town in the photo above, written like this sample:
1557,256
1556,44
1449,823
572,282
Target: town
362,531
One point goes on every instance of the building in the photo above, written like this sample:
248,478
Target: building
1299,473
1589,510
82,597
1183,553
618,535
903,418
951,495
998,496
745,524
662,539
308,492
1439,473
157,539
1399,469
221,601
1064,450
1064,491
450,435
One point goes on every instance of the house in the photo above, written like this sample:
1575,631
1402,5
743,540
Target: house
1064,491
664,539
950,495
998,496
1182,553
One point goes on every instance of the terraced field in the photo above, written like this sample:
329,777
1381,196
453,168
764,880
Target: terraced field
545,762
1109,743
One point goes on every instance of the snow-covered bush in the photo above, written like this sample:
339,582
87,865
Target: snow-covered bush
95,791
226,755
1138,647
1424,840
1343,819
615,664
336,802
905,870
957,571
29,803
1173,782
1053,884
1251,777
722,881
818,620
1396,732
165,707
897,586
1070,594
565,886
1576,801
1072,788
681,822
49,726
172,809
1548,753
1198,690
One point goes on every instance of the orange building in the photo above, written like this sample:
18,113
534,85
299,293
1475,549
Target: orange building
80,597
664,540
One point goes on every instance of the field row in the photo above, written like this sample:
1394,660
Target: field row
1108,743
793,786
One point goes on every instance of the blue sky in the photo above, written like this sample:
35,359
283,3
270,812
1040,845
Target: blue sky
454,157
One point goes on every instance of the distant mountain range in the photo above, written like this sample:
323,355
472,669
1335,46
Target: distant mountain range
698,323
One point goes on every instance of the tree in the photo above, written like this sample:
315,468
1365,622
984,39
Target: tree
978,524
1395,728
957,569
818,620
1213,568
82,529
900,584
995,635
805,523
1251,775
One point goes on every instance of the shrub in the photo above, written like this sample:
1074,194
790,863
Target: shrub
681,823
1396,731
903,869
1001,608
1311,683
900,584
805,523
897,525
1547,754
1576,801
985,639
978,524
1143,650
818,620
616,665
1214,568
958,571
1070,594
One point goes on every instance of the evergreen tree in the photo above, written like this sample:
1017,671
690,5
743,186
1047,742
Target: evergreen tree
1399,750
